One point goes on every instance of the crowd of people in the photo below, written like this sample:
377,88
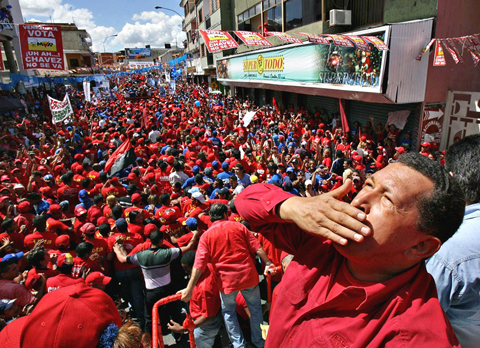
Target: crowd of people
210,205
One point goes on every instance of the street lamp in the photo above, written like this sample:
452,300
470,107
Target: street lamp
164,8
106,40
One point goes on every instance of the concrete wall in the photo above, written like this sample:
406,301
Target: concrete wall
405,10
72,41
455,18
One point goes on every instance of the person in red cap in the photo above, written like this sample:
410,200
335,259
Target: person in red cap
40,233
64,265
97,280
100,248
96,210
75,316
25,216
113,187
54,223
68,192
425,149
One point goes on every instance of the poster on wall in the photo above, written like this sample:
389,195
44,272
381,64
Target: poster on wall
432,123
462,117
328,66
42,46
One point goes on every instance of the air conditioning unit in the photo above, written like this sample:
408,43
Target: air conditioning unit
340,17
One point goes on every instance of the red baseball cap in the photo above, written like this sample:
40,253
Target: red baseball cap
76,313
65,259
97,278
62,241
79,211
24,207
149,228
88,228
55,208
400,149
136,197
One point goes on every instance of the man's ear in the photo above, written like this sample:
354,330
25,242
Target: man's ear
426,247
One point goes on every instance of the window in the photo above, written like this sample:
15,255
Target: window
274,18
74,63
208,23
247,26
293,14
240,18
258,8
214,6
200,15
251,12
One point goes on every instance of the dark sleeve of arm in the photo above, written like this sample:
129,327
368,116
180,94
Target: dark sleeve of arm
256,204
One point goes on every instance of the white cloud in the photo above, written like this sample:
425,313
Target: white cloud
156,30
41,8
147,28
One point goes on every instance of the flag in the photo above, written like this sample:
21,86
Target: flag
251,38
60,109
120,159
285,37
275,106
144,119
345,126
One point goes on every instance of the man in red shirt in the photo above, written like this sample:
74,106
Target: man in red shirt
65,278
358,277
228,245
204,304
68,192
130,276
40,232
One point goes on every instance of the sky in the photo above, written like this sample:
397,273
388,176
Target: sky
136,23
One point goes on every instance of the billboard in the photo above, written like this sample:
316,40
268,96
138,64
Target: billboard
133,53
42,46
325,66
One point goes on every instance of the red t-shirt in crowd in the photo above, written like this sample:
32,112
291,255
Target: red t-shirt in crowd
61,281
229,246
205,299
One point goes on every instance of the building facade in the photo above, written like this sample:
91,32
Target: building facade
398,83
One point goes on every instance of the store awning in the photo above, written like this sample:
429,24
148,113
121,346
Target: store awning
392,76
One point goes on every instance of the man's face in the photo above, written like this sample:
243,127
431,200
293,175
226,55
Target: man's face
389,199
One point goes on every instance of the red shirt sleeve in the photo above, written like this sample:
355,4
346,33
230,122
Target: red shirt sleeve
256,204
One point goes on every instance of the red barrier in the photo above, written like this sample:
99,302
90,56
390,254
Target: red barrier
157,339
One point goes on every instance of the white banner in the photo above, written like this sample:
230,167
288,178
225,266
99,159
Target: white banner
61,110
86,91
398,118
248,118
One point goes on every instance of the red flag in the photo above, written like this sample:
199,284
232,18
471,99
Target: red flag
144,120
120,159
275,106
119,96
345,126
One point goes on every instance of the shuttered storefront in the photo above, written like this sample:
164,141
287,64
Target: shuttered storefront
361,112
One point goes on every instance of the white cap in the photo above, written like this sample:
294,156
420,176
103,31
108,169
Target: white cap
198,196
308,182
